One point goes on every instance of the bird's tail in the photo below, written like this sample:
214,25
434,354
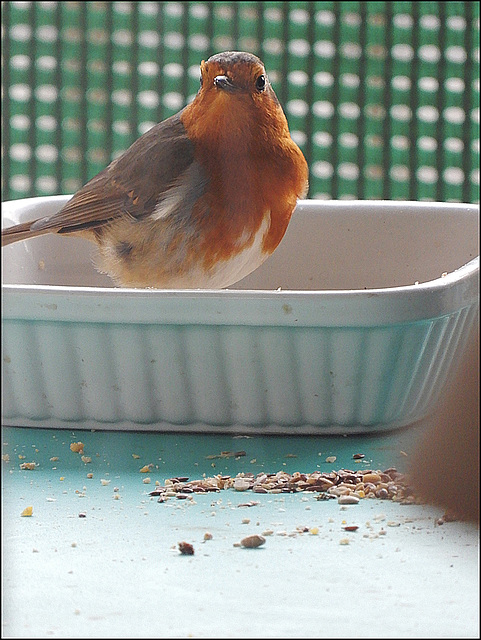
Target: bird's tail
19,232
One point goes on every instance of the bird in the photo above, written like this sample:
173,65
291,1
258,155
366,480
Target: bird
202,198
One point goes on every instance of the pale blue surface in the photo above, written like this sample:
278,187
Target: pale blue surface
118,573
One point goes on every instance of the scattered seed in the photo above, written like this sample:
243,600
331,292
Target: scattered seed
77,447
373,478
351,527
331,459
28,511
348,499
28,466
104,482
344,541
240,484
253,541
82,514
358,456
207,535
352,485
186,549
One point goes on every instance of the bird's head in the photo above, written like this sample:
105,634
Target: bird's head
235,94
237,74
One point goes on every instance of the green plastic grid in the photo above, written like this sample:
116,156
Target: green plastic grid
382,97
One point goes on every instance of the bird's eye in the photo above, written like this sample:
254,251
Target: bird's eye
261,83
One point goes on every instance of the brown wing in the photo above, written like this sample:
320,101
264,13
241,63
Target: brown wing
131,185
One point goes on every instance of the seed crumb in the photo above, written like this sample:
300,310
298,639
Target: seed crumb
253,541
28,466
28,511
186,549
77,447
348,499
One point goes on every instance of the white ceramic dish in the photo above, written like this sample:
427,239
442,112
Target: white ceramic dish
360,337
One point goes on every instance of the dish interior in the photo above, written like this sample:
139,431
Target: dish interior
328,245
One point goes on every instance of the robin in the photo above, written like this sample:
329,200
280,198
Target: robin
202,198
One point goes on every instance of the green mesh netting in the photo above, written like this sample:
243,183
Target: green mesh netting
382,97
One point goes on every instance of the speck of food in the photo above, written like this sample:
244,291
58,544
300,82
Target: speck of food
27,466
348,499
252,541
77,447
28,511
186,549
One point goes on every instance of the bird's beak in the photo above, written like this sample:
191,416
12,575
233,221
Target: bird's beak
223,82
